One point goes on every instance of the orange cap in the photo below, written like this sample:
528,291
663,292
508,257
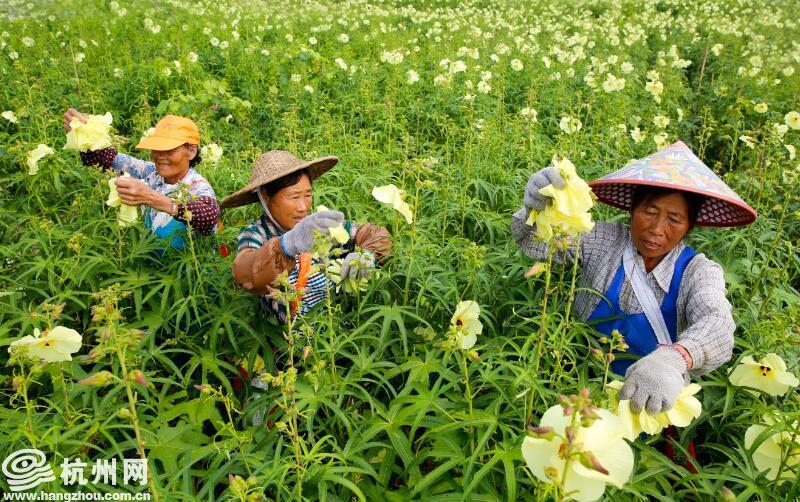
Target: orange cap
171,132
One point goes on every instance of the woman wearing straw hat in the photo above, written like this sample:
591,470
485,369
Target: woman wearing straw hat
667,300
173,192
284,234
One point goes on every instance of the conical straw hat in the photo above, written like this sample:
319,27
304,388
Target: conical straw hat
273,165
677,167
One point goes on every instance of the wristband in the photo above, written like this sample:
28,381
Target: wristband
283,247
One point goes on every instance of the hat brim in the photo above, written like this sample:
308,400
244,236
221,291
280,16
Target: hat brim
315,169
160,143
717,211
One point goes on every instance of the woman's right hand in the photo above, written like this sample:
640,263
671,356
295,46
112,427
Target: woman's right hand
535,201
71,114
301,238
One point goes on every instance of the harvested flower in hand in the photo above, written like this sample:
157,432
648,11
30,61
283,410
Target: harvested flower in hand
338,233
92,135
683,412
568,214
126,215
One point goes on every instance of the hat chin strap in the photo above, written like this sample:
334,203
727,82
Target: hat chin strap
278,226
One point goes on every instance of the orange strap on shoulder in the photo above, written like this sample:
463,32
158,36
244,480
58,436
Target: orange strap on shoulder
302,276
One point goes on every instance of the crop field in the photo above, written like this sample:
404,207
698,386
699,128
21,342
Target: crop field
374,395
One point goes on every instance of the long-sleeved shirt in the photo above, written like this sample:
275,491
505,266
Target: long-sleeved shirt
705,324
192,195
264,237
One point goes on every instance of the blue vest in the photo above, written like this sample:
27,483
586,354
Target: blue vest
639,335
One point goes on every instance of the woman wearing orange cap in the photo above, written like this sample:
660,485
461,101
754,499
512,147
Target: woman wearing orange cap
172,190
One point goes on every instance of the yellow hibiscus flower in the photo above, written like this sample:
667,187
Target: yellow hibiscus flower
767,375
95,134
603,439
568,214
683,412
53,346
769,454
35,155
126,215
393,196
466,323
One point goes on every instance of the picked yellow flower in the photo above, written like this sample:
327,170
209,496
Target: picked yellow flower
54,346
338,233
466,323
126,215
767,375
603,440
771,452
393,196
93,135
683,412
568,214
35,155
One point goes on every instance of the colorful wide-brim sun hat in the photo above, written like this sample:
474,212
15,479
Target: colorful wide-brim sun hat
676,167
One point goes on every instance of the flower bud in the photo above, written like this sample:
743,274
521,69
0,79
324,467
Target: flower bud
588,459
306,352
124,413
726,495
542,432
204,389
137,376
98,379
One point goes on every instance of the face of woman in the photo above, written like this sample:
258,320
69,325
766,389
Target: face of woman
173,164
291,204
658,225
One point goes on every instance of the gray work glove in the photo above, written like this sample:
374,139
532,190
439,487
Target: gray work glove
357,266
654,381
301,238
534,201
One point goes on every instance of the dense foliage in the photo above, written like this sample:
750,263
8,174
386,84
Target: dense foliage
455,103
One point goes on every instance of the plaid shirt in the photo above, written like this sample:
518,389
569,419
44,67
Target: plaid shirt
705,324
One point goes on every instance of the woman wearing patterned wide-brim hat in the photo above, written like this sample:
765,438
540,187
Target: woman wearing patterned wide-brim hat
666,299
274,243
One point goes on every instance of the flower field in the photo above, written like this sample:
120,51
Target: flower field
459,371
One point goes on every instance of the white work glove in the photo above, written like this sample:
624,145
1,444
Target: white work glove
654,381
534,201
357,266
301,238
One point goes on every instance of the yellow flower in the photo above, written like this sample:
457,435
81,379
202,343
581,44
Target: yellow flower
338,233
792,119
603,439
686,409
92,135
10,116
211,153
466,323
393,196
568,214
761,108
767,375
126,215
771,452
54,346
35,155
